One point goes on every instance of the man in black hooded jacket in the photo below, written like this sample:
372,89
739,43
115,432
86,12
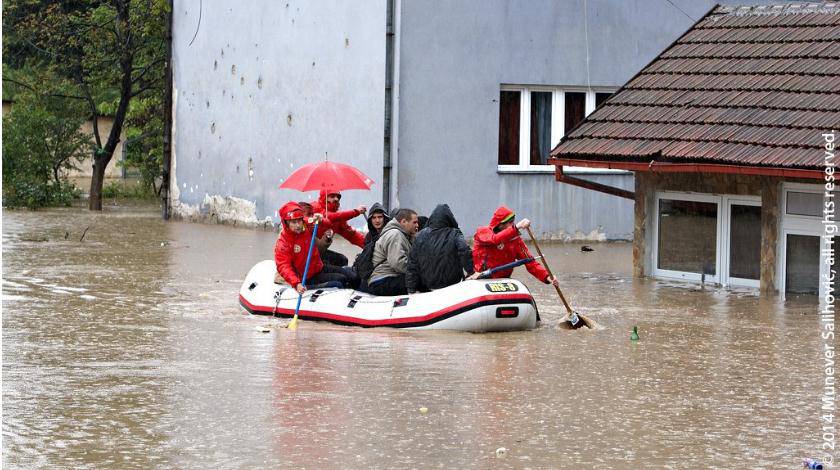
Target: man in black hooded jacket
440,255
376,220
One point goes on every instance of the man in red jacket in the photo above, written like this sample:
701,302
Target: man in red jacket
335,221
500,243
291,249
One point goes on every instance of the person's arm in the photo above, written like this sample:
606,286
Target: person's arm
464,253
535,268
344,216
352,236
283,261
487,237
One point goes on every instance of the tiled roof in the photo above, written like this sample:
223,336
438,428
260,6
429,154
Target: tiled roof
752,86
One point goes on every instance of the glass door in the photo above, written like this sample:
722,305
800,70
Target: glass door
742,238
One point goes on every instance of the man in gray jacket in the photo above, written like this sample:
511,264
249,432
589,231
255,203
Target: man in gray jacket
390,254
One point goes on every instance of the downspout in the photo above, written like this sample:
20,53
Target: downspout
392,93
167,119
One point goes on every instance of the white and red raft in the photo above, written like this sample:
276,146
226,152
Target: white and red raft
477,306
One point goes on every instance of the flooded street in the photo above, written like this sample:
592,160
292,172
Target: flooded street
129,350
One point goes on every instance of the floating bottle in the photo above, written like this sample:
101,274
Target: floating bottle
812,464
634,336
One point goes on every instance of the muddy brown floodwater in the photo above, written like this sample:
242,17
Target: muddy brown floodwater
129,350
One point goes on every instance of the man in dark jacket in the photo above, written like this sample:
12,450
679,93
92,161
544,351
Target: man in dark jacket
440,255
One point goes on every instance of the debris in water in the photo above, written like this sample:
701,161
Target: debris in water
263,329
501,452
423,410
34,238
812,464
634,336
87,297
586,248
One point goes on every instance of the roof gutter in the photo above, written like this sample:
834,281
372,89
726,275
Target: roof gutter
667,167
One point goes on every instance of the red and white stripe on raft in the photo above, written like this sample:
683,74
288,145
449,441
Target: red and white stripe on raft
477,306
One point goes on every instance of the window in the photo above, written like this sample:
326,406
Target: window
688,236
745,241
533,119
801,259
708,237
509,127
802,264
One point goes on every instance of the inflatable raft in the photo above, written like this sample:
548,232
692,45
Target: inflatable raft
477,306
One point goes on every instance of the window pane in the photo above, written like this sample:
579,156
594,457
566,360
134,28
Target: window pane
802,264
688,236
575,110
601,97
540,127
804,204
745,242
509,127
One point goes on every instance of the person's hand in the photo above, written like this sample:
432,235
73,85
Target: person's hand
300,289
317,217
329,235
552,280
524,223
473,276
361,209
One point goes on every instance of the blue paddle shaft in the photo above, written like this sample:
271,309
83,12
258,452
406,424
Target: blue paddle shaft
306,267
511,265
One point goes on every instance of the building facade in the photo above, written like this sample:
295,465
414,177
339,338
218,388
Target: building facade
439,102
731,134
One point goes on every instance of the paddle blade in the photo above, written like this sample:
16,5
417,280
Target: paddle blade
293,323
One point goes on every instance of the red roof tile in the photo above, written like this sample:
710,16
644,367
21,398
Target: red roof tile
752,86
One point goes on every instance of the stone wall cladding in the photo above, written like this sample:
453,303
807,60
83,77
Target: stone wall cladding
724,184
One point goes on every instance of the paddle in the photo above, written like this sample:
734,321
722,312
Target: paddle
487,273
293,323
574,319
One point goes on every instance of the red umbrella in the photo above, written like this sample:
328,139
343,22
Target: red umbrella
316,176
326,175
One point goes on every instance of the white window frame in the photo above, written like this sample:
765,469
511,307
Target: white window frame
798,225
728,202
724,203
681,275
558,116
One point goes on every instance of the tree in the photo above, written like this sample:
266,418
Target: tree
41,139
112,52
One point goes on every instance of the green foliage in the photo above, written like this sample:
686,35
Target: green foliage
121,190
41,141
113,54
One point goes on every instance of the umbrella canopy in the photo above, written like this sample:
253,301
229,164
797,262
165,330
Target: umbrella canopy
327,175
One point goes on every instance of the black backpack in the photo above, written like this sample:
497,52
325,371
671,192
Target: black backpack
363,265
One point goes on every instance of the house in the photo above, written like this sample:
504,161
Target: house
437,101
729,132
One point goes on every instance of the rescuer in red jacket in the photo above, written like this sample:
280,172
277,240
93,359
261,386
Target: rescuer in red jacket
328,204
500,243
291,249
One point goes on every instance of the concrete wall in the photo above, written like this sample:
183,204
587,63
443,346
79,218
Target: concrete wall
453,58
264,87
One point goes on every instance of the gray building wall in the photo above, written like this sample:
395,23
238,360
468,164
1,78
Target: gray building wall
453,58
262,88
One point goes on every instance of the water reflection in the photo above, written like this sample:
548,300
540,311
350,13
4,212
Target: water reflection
129,349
